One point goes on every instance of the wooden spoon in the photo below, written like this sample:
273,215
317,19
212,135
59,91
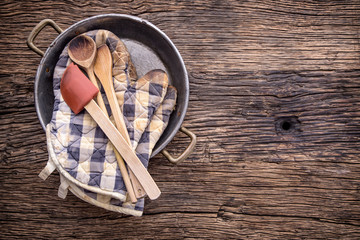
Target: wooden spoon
82,50
78,92
103,70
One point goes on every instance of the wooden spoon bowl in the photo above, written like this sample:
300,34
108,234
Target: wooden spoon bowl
82,50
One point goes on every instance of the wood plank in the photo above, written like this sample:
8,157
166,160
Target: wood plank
253,65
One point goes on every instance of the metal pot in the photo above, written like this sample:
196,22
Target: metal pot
149,48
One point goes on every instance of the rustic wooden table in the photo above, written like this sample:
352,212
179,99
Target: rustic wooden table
275,103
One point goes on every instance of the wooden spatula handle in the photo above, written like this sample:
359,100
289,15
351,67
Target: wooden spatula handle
124,149
99,99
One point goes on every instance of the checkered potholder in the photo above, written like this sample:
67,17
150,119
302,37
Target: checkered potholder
81,151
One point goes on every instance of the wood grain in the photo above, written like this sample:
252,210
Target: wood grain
253,65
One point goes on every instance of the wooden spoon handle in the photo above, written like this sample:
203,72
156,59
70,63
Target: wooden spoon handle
99,99
138,189
120,124
124,149
125,176
116,112
120,160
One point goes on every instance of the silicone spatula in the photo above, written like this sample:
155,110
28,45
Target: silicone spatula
78,92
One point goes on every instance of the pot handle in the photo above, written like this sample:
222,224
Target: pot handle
187,151
36,30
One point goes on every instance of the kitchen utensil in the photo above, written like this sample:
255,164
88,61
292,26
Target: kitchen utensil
82,51
103,70
78,93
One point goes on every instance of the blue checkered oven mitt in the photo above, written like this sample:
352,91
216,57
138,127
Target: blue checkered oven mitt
81,152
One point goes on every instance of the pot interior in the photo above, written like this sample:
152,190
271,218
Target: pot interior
149,48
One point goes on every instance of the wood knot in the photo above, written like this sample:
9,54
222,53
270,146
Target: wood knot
287,125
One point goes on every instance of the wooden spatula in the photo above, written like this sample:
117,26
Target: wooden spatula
78,92
103,70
